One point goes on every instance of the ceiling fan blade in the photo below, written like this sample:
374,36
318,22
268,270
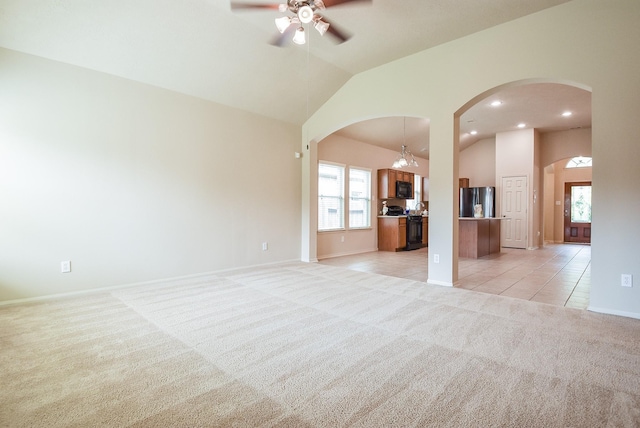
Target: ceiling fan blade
331,3
281,39
239,6
339,34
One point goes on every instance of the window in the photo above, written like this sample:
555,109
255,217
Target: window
359,198
410,204
330,196
581,204
579,162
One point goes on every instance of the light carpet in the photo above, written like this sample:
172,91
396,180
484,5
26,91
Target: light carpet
309,345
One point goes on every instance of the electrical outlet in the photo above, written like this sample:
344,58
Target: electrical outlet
436,258
265,246
65,267
342,238
626,280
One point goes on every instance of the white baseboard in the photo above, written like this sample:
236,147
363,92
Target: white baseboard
135,284
348,253
614,312
442,283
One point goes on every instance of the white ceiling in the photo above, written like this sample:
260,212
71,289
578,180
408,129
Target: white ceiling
201,48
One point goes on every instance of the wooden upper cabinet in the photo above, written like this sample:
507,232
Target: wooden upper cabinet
387,181
425,188
406,176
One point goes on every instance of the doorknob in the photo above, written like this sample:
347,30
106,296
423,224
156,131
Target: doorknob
566,213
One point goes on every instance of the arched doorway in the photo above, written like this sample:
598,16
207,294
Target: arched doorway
558,176
367,146
514,131
538,151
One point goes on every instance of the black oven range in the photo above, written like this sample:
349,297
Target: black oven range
414,227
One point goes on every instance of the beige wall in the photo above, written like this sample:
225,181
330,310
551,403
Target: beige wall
518,154
349,152
133,183
478,163
574,43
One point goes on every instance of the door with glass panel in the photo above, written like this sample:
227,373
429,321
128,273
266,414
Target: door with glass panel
577,212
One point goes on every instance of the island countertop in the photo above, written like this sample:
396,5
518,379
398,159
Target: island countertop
479,218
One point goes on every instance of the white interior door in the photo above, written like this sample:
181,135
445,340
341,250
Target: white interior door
514,212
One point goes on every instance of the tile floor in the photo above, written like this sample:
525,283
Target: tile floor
557,274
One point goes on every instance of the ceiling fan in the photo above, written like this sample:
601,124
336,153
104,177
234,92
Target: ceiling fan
301,12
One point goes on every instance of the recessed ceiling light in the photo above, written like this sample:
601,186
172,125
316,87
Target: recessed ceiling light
522,125
567,114
496,103
473,132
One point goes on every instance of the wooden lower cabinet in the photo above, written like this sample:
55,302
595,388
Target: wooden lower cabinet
392,233
425,231
479,237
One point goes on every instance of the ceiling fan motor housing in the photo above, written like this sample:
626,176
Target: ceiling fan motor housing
296,5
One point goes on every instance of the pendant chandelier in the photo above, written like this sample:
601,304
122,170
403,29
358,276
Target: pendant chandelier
405,158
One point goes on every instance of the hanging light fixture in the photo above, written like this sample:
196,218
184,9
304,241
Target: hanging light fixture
304,14
299,13
299,37
405,158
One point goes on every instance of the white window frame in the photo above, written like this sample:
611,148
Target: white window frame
338,205
579,162
365,200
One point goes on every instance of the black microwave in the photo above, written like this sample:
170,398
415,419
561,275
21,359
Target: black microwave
404,190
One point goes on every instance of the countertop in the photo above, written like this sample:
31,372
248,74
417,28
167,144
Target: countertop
399,216
479,218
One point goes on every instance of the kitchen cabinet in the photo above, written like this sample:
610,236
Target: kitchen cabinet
406,176
392,233
478,237
425,231
387,182
425,188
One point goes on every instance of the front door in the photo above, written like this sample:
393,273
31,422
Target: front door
577,212
514,212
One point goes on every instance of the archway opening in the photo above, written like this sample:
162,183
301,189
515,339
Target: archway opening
527,129
362,149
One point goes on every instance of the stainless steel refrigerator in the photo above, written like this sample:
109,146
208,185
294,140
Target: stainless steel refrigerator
472,196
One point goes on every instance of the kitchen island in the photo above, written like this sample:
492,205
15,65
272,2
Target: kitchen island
478,237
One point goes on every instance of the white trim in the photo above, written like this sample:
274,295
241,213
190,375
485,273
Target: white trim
347,253
442,283
134,284
614,312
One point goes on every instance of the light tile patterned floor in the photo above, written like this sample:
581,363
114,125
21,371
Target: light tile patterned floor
558,274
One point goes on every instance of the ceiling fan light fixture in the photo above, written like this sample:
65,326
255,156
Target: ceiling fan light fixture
320,25
299,38
283,23
305,14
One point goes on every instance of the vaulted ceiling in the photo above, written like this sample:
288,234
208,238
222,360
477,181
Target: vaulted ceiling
204,49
